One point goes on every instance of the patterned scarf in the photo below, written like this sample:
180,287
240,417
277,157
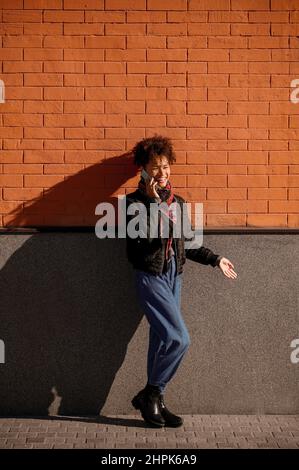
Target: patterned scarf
165,194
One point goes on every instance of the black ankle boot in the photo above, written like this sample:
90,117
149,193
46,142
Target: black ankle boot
170,419
148,402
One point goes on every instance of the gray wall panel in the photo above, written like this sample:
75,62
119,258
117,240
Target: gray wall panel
76,339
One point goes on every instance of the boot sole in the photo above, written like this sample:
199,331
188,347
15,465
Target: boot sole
136,404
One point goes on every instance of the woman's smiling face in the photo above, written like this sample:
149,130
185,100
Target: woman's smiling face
159,168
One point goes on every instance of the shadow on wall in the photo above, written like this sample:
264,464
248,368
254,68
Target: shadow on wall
65,327
72,202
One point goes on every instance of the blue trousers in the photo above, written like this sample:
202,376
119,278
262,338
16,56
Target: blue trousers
160,299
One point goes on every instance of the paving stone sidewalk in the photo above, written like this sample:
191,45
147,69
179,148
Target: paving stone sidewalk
131,432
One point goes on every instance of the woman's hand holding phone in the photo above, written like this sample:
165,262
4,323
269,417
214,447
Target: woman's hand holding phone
150,185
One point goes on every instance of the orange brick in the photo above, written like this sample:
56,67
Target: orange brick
22,120
165,107
137,120
60,66
62,93
226,220
166,54
266,122
194,44
64,16
227,42
227,169
206,107
85,4
227,67
105,67
228,17
167,29
187,16
167,5
269,16
125,4
212,133
177,93
42,181
267,169
125,29
249,81
293,193
43,156
146,67
112,107
12,181
206,181
227,145
248,157
43,107
267,220
246,206
37,53
190,67
247,181
11,156
174,120
226,193
227,121
85,80
146,42
64,144
43,79
284,157
248,108
11,53
209,29
143,93
166,80
65,42
146,17
284,206
250,5
267,193
62,169
207,5
42,133
112,120
127,55
250,29
268,42
293,169
43,29
268,67
293,220
22,168
63,120
22,16
267,145
84,156
283,181
21,194
281,5
227,94
83,29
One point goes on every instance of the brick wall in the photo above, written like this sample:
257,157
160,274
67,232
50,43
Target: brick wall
84,80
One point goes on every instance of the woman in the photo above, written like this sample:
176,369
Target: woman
158,266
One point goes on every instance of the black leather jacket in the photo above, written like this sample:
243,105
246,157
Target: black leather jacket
148,254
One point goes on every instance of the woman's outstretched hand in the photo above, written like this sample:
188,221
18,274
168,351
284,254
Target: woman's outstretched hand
226,267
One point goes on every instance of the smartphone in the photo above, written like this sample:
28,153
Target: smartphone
145,175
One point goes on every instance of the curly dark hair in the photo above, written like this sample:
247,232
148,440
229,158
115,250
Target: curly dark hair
144,150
